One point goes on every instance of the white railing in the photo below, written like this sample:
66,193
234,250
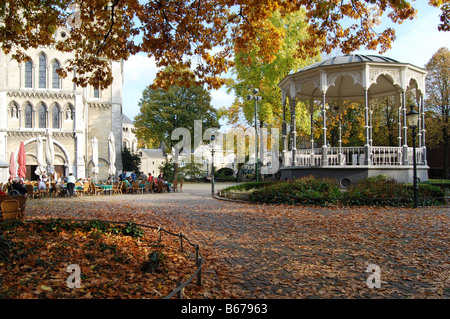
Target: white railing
353,156
305,157
345,156
384,155
420,158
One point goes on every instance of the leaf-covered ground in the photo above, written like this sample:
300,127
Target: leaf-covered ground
265,251
112,263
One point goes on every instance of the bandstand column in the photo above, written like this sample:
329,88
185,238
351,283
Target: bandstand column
405,131
419,122
367,148
284,132
399,127
294,133
324,129
423,131
311,112
341,155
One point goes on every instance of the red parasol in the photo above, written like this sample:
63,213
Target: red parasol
21,160
12,166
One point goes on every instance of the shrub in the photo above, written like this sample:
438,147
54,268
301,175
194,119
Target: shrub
378,190
429,194
443,184
154,263
247,186
7,248
383,190
131,229
306,190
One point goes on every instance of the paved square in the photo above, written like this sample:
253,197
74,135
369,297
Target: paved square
265,251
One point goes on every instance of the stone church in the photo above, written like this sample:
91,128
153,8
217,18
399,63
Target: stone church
33,98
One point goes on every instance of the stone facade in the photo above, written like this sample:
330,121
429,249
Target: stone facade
33,98
129,139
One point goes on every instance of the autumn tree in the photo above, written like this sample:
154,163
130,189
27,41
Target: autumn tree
438,103
352,125
385,122
251,70
164,110
198,35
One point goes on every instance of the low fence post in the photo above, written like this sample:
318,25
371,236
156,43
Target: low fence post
196,255
199,274
180,292
181,242
159,233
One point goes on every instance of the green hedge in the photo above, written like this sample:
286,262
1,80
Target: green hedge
443,184
380,190
385,191
247,186
307,190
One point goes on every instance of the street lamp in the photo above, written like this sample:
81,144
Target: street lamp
257,99
212,164
413,121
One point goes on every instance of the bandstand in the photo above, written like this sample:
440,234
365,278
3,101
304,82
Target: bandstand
359,78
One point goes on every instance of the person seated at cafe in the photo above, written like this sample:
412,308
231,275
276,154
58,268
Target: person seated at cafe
133,175
60,187
168,186
18,185
123,176
41,185
143,177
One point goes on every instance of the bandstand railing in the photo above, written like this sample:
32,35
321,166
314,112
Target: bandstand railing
352,156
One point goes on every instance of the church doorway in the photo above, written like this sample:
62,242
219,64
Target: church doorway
31,175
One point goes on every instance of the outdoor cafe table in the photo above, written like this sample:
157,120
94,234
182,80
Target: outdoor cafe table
106,188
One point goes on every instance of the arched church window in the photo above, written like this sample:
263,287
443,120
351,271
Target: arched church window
42,116
42,71
28,74
55,75
28,116
96,93
55,116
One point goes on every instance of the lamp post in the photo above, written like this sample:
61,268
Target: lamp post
256,98
212,164
413,120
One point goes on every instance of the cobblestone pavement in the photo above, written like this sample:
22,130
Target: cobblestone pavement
265,251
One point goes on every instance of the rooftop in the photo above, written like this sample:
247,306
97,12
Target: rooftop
349,58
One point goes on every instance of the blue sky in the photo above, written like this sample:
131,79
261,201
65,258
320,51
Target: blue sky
416,42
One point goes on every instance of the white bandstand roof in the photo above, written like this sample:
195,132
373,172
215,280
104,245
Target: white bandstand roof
347,77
